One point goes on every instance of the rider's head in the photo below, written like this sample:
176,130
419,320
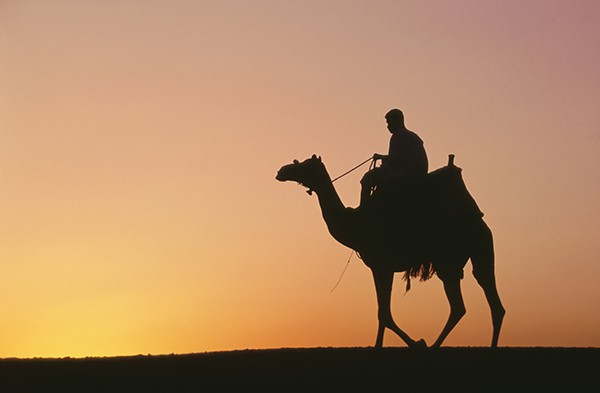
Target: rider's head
395,120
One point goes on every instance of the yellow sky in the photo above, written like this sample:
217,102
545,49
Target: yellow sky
139,142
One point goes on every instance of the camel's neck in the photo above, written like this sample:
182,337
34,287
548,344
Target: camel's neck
329,200
339,219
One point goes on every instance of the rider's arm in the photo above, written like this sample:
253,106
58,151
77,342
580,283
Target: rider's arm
382,157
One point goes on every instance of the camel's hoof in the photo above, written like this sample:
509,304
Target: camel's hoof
421,344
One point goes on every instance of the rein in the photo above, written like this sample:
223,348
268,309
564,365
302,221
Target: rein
353,169
309,191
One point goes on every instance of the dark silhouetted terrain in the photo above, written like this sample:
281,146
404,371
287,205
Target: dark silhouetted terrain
316,370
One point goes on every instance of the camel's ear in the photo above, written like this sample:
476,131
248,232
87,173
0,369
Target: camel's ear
296,162
319,158
314,157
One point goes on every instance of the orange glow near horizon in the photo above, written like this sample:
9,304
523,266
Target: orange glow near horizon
139,143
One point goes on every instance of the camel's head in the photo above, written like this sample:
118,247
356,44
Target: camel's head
304,173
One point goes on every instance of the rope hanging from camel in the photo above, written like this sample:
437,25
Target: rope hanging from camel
353,251
343,271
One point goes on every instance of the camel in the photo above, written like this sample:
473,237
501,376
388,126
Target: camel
437,238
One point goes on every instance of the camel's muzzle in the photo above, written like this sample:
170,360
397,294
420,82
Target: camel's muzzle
280,176
284,173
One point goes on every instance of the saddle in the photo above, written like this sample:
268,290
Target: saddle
414,212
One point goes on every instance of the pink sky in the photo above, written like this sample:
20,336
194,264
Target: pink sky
139,142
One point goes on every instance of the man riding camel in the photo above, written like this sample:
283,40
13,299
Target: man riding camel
406,157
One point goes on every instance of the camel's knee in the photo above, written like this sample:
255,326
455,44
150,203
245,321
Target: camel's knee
384,318
498,314
457,312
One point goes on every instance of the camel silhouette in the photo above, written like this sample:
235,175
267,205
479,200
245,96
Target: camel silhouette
427,226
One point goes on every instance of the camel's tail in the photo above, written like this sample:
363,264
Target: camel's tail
424,271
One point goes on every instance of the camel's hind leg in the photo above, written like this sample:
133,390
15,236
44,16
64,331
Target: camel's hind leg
457,306
383,285
483,270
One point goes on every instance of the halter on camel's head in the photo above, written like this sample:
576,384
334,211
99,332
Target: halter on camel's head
305,173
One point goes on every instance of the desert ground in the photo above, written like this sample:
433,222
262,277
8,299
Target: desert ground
316,370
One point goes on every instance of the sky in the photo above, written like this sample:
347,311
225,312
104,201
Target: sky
139,142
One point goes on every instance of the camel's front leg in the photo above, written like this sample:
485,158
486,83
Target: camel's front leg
383,286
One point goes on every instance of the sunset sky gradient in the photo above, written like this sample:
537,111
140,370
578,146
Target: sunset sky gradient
139,141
